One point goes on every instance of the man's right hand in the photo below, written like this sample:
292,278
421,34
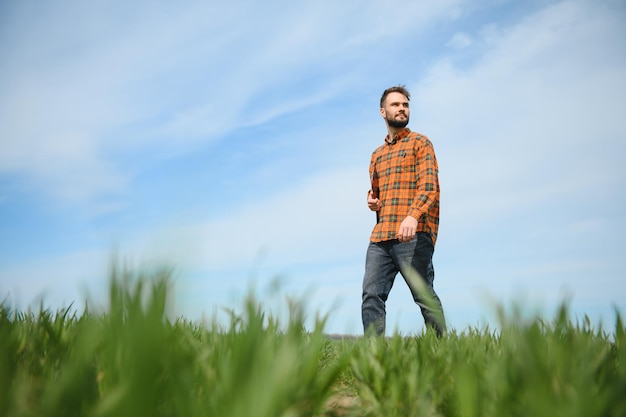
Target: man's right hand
372,203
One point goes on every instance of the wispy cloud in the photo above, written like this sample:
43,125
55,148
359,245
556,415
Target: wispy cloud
460,41
532,111
82,83
312,222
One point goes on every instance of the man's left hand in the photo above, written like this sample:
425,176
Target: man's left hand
407,229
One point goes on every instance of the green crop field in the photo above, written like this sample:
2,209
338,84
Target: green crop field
131,360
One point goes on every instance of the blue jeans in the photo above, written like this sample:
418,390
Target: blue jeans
414,261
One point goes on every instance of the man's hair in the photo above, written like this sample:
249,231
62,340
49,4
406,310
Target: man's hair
396,89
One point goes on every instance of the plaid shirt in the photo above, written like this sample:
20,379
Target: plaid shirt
404,176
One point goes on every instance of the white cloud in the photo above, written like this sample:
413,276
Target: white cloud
515,128
82,83
323,218
460,41
57,281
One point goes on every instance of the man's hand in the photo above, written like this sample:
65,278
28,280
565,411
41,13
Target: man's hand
407,229
372,203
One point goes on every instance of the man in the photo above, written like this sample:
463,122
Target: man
405,197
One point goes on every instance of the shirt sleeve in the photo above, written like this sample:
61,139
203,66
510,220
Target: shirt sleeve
427,194
374,176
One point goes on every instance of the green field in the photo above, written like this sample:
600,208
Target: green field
131,360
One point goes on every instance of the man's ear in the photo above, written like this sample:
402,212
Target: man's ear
382,112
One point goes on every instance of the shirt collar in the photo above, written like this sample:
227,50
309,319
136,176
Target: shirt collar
400,135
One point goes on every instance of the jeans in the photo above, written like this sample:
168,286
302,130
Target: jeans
414,261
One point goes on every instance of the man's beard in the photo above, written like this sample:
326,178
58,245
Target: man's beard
398,124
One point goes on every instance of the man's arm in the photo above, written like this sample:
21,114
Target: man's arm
427,192
373,197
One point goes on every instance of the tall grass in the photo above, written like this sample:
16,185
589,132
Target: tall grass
132,360
537,369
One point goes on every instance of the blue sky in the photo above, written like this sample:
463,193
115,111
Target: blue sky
231,141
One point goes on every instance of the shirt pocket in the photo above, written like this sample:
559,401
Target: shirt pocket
406,162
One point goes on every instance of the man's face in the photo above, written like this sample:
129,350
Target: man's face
395,110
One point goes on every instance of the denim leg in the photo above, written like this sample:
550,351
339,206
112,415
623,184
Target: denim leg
417,256
380,273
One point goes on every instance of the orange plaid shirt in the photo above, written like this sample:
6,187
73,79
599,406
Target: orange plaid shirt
404,176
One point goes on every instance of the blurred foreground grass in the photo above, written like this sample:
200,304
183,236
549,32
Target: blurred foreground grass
133,361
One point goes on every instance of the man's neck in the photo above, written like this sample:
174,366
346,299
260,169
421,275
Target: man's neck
393,132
